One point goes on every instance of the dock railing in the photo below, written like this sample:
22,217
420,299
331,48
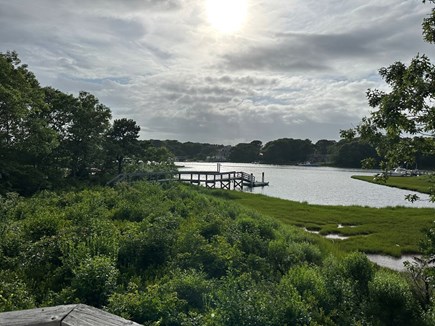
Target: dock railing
67,315
211,179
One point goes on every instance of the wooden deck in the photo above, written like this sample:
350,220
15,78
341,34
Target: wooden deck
209,179
68,315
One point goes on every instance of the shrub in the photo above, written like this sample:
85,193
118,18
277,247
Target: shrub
391,300
94,280
14,294
360,270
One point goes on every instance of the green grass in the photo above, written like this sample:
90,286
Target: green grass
392,231
421,184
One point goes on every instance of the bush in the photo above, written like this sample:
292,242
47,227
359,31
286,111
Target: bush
360,270
94,280
14,294
391,300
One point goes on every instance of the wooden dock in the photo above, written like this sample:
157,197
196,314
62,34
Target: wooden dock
67,315
209,179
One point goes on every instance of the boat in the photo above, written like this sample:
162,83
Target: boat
399,172
308,163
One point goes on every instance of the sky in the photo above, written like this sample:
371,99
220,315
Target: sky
219,72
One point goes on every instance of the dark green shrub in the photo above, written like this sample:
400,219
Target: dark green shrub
241,301
391,300
360,270
152,306
190,286
289,307
310,284
148,244
95,280
14,294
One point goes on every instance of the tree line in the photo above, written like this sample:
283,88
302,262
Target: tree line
346,153
50,139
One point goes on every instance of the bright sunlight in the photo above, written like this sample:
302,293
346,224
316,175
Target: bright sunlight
226,16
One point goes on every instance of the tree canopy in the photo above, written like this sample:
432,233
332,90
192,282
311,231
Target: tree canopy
50,139
402,124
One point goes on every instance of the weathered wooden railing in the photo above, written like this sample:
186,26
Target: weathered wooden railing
210,179
69,315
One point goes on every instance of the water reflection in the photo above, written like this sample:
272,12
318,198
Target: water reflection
318,185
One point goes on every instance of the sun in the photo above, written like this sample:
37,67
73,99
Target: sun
226,16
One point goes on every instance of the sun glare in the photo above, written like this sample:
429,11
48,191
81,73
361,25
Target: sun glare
226,16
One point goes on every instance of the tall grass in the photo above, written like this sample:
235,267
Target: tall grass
394,230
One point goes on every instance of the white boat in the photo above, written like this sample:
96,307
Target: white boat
399,172
308,163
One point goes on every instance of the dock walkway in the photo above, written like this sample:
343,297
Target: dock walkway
209,179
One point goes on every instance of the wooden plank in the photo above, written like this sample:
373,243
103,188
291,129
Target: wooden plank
84,315
51,316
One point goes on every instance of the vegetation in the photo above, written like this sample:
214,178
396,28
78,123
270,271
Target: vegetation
174,255
49,139
421,184
407,109
392,231
246,153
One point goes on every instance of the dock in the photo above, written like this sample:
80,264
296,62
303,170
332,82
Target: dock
209,179
223,180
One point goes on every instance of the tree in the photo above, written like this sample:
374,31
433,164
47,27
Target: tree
287,150
85,136
408,109
246,153
25,137
122,140
351,153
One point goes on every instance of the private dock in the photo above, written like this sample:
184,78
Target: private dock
209,179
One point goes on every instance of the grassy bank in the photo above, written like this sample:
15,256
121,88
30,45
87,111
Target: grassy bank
392,231
420,184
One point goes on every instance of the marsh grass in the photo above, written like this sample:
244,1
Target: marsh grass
421,184
392,231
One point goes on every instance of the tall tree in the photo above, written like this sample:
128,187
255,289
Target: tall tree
85,140
122,140
408,109
287,150
246,153
25,137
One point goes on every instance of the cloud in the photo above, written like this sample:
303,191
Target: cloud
298,68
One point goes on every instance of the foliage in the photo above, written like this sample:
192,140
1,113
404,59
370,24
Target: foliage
369,229
172,254
402,126
351,153
52,140
94,280
188,151
247,153
391,300
286,151
122,141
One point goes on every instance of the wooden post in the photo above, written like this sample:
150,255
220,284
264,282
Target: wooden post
262,177
252,180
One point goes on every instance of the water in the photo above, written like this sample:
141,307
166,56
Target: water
393,263
318,185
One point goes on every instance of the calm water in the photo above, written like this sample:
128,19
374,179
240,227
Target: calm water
318,185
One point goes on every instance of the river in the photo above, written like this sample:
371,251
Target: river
317,185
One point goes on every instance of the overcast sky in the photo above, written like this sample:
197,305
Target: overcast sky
295,68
